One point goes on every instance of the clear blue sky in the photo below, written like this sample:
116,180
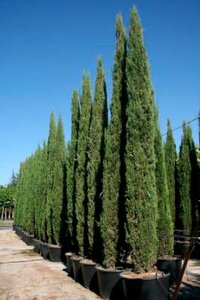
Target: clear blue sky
46,45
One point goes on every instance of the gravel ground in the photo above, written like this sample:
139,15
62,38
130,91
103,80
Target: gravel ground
25,275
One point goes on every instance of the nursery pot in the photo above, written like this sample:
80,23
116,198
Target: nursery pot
37,245
29,239
88,271
77,268
170,265
181,248
107,280
68,256
54,253
149,288
44,250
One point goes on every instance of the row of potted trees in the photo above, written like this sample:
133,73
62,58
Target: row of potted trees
107,199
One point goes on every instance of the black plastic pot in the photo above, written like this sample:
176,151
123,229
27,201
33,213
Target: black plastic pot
107,280
37,245
181,248
77,268
146,288
54,253
44,250
68,256
29,239
88,272
172,266
196,252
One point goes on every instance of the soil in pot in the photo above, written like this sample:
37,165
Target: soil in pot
170,265
54,253
89,274
77,268
109,282
147,286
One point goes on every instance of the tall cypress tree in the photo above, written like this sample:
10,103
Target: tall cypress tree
141,197
51,157
82,157
43,193
58,190
184,179
71,169
194,178
113,171
170,161
96,146
165,225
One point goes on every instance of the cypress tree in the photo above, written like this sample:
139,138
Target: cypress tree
141,197
98,124
82,157
58,190
194,178
165,225
51,146
170,161
113,168
43,193
71,170
184,180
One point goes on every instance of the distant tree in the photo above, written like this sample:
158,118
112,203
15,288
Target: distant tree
82,157
165,225
170,161
71,170
141,196
113,170
96,145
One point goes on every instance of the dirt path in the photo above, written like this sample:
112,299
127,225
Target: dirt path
25,275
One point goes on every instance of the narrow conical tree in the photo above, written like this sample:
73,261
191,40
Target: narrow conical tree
165,224
51,146
194,179
43,193
141,197
96,146
184,179
58,183
113,171
71,170
170,161
82,157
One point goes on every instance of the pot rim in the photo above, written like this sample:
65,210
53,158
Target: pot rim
108,270
164,275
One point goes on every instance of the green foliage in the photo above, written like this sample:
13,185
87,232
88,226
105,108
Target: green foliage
184,179
170,162
51,158
56,159
96,153
112,169
165,226
82,158
141,198
71,167
40,188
